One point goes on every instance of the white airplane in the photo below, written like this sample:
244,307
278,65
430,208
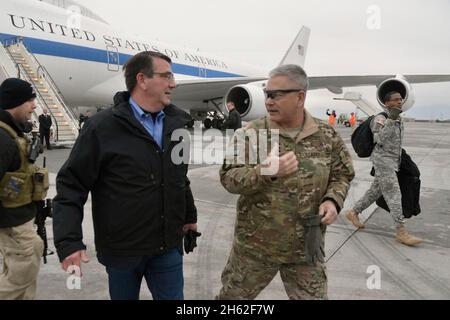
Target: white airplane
84,55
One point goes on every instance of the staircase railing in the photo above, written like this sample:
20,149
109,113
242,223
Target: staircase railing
53,86
43,74
46,75
11,41
40,99
4,45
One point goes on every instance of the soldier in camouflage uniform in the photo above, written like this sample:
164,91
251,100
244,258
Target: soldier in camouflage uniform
311,179
386,159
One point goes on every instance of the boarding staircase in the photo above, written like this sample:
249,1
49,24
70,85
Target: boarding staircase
17,61
361,103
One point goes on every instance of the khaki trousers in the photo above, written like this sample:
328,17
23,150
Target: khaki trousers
22,250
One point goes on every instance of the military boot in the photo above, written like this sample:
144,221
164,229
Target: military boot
404,237
352,215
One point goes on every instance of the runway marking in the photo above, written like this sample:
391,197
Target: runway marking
349,237
216,203
427,278
383,266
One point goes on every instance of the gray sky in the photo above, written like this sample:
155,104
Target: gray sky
413,36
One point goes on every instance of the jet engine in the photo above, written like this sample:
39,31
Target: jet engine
400,85
249,100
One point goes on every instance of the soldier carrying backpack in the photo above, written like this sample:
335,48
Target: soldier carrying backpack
362,137
380,137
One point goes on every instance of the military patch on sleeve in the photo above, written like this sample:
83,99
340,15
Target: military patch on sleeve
380,120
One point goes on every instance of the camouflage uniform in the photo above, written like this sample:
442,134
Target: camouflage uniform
386,159
268,232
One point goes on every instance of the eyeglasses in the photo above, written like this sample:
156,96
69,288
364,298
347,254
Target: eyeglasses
276,94
168,75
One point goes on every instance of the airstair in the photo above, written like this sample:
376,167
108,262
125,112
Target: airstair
361,103
17,61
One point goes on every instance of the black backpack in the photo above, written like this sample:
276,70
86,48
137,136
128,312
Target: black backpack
362,138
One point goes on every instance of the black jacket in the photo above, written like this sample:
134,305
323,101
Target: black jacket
409,181
140,199
233,121
10,162
45,122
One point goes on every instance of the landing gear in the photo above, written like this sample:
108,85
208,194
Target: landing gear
190,124
207,123
213,120
217,123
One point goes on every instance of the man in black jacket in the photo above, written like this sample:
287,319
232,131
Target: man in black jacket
234,118
45,123
142,204
20,245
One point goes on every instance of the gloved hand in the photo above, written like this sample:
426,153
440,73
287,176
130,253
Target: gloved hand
394,113
190,240
313,239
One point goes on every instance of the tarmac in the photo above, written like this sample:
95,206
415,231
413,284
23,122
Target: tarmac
362,265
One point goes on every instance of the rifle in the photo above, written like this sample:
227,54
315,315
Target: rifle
35,149
44,211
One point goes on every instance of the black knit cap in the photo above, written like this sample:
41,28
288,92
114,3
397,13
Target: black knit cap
14,92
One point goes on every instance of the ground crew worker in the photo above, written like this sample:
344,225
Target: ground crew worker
352,120
386,159
282,215
20,245
332,117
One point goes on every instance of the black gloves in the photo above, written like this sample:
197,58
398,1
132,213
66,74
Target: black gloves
394,113
313,239
190,240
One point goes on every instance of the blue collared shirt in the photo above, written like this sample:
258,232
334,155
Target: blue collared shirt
154,128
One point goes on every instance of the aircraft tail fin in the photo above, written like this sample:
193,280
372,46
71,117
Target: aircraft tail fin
297,51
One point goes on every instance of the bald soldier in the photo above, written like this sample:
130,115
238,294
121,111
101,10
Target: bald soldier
283,209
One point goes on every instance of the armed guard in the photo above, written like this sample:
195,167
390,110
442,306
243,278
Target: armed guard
21,185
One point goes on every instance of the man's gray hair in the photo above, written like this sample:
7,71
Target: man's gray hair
294,72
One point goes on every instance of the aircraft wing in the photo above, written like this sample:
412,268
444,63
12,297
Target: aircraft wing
210,89
336,83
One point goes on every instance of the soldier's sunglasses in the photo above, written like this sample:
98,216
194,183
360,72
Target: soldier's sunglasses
275,94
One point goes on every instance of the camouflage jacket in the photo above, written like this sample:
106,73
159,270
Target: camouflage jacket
269,212
388,136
